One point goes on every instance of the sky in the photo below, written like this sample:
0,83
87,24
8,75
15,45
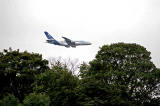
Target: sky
23,22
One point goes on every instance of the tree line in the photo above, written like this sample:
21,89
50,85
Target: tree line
121,74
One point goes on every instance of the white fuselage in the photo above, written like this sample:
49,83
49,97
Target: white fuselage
72,44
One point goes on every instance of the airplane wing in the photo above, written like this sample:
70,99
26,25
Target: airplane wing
68,41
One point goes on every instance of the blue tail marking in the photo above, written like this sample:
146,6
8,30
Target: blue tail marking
48,35
51,39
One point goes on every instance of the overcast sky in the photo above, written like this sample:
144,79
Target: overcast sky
23,22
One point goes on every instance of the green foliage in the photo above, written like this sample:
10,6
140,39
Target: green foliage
93,92
18,70
9,100
36,100
59,84
125,72
120,75
83,70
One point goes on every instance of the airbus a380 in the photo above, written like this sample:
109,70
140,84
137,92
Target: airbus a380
67,42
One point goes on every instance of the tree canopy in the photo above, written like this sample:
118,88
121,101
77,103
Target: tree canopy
59,84
18,70
120,75
127,70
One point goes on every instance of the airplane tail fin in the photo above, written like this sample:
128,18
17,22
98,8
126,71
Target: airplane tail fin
51,39
48,35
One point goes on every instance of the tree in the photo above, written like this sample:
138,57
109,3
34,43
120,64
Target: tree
36,100
127,70
92,92
71,65
59,84
18,70
83,70
9,100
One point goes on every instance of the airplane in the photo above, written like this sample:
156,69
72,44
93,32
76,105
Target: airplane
67,42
